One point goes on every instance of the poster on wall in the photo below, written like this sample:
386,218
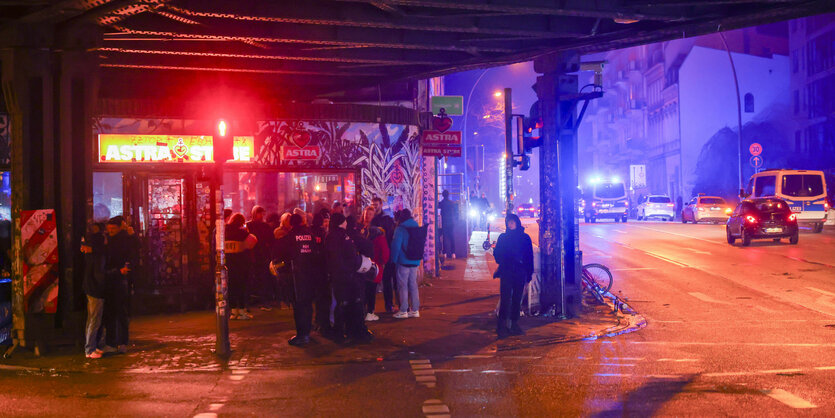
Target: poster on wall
39,253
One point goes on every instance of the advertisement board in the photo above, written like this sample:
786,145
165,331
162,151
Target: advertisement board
127,148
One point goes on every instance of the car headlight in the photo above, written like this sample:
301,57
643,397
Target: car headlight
473,213
491,217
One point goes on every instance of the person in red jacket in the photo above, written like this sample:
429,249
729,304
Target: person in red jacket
380,256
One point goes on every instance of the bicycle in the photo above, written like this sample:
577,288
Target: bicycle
597,280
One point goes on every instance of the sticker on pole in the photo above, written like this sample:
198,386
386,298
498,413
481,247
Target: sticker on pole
39,253
756,161
755,149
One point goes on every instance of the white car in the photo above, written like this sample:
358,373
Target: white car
656,206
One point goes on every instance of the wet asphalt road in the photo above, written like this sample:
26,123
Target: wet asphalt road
731,331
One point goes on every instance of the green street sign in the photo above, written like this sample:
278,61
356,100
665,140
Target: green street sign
453,105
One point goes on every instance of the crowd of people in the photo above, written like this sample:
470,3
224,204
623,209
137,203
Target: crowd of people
327,265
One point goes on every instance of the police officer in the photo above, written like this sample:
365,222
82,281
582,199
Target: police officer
298,251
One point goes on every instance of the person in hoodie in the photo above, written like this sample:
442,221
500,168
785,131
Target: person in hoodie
514,255
407,269
343,261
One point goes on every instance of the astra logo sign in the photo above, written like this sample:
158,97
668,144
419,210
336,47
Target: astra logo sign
121,148
299,147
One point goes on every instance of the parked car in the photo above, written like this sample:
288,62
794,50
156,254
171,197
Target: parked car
762,218
706,209
656,206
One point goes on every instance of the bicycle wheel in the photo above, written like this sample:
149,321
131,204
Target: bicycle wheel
600,274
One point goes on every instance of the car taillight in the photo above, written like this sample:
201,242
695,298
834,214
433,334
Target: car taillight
701,209
594,204
670,204
728,211
792,217
825,205
751,219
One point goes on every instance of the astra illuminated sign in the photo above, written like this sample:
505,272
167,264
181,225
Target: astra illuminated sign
126,148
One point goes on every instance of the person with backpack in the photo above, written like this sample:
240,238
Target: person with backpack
514,255
406,253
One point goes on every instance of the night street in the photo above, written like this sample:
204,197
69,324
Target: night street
731,331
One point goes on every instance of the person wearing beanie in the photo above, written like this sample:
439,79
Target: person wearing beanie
514,255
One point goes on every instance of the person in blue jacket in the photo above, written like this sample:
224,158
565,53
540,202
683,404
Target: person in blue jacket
407,269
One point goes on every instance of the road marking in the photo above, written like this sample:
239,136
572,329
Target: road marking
825,368
423,372
789,398
433,407
421,366
623,358
521,357
499,372
778,371
635,268
764,309
723,374
679,360
697,251
612,374
473,356
661,257
807,345
616,364
681,235
823,292
705,298
423,361
453,370
425,379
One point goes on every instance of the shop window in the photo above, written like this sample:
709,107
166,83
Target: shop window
107,196
283,192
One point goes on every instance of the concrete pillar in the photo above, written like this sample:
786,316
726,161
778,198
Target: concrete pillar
559,227
49,82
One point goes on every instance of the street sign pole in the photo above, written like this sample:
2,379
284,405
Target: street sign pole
508,149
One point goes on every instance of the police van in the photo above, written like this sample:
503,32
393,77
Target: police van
606,199
803,190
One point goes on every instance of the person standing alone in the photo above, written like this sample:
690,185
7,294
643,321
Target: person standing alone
514,255
449,217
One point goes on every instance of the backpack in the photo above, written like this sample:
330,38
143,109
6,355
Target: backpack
417,242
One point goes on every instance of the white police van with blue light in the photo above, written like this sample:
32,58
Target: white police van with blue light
803,190
606,199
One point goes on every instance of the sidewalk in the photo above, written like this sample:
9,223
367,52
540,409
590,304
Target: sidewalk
457,317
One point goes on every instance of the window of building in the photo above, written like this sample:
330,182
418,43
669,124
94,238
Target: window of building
796,102
107,196
749,103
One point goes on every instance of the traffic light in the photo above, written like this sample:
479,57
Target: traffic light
223,143
531,126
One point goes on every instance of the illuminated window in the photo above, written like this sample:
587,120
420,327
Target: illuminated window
749,103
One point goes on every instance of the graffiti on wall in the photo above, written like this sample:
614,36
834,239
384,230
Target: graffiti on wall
387,156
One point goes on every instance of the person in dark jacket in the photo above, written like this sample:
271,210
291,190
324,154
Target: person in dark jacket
121,257
298,250
375,237
260,277
322,288
514,255
237,245
93,248
449,217
343,261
